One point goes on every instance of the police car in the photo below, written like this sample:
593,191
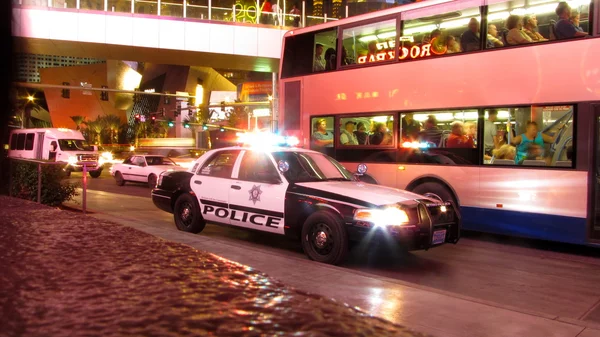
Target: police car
303,194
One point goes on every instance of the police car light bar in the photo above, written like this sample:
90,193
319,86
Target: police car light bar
415,145
265,139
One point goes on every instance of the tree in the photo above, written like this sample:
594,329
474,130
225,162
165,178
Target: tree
78,121
112,123
95,130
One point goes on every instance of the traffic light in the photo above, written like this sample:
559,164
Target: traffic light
186,125
66,93
152,118
104,94
137,118
204,127
171,124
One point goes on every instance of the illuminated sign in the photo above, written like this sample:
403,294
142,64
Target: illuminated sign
413,52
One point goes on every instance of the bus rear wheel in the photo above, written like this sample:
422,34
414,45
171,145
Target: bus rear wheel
435,190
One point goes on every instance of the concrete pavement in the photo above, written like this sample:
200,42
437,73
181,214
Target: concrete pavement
434,311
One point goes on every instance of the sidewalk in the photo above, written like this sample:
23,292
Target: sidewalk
432,311
67,274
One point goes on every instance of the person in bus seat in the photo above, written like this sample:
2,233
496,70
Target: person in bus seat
319,62
436,33
410,127
321,137
380,135
575,17
431,133
530,27
330,59
361,134
505,152
531,136
372,51
452,45
492,36
52,154
345,61
516,35
471,131
564,28
458,137
348,137
470,39
490,133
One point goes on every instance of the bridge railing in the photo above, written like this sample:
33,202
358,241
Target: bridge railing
217,10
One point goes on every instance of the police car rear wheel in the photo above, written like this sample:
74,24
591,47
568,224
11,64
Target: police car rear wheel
187,214
324,238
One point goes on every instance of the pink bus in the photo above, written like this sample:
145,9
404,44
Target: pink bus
507,125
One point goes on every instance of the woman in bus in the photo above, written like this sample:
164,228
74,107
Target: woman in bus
380,135
505,152
531,136
320,136
516,35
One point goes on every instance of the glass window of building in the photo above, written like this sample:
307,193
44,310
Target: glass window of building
372,43
428,34
522,23
529,136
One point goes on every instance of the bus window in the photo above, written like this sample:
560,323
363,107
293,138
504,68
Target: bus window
29,141
13,141
529,136
305,53
321,135
372,43
21,141
515,23
367,130
453,32
325,54
443,137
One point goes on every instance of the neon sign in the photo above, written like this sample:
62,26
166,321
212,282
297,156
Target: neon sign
413,52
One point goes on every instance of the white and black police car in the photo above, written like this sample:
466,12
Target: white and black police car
303,194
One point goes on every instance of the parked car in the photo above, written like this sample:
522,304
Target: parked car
143,168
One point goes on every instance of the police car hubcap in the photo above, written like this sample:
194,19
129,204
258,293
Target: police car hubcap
186,213
321,239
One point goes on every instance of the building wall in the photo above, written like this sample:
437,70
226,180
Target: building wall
78,104
28,65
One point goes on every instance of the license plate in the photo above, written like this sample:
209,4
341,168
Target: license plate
439,237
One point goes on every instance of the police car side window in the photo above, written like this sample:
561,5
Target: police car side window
220,165
256,166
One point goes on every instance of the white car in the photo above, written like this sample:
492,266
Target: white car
143,168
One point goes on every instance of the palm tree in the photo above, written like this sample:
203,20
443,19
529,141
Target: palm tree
112,123
78,121
95,128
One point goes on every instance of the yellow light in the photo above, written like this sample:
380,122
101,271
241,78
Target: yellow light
391,216
132,148
199,94
30,98
443,209
270,98
401,168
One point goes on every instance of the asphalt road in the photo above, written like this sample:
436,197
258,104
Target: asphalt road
544,277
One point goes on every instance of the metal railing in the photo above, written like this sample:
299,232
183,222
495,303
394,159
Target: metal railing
40,166
194,9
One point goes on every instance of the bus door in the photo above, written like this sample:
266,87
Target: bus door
595,230
39,145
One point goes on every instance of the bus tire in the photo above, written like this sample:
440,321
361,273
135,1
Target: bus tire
324,238
435,190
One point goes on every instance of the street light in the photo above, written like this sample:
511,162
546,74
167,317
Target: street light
30,98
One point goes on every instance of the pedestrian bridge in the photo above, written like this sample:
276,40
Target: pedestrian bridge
39,28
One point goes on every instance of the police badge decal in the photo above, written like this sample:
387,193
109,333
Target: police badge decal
255,193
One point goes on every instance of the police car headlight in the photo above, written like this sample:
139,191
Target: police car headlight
390,216
72,160
160,178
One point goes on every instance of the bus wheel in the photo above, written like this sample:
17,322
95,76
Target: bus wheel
435,191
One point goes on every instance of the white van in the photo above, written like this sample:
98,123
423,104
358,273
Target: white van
61,145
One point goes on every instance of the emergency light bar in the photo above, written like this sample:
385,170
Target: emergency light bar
265,139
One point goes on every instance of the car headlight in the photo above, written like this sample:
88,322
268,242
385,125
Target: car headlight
160,179
390,216
72,160
101,161
108,156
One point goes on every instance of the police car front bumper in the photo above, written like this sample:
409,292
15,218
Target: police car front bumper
430,227
162,199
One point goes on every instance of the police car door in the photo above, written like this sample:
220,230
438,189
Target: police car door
257,196
211,185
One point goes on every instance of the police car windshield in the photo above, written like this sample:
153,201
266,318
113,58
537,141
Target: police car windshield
307,167
74,145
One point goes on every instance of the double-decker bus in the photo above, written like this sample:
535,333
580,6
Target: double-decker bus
492,104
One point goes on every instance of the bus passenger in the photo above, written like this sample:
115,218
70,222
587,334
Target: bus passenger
516,35
493,36
451,45
564,28
469,40
490,133
320,136
505,152
410,127
530,26
458,137
319,62
348,137
431,133
361,134
53,148
471,130
531,136
575,20
330,59
380,135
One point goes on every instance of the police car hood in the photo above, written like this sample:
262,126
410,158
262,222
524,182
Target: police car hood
373,194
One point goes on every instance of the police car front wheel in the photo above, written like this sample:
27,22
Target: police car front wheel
324,238
187,214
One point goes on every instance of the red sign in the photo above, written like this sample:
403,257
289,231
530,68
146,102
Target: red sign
413,52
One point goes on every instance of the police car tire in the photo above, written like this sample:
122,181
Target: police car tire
338,233
197,222
119,179
95,174
436,189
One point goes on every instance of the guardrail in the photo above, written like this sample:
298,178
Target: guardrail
40,165
254,13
